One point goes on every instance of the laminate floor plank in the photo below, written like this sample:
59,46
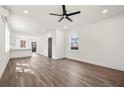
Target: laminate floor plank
40,71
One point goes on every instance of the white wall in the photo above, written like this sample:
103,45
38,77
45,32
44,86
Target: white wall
15,40
58,49
60,44
4,46
16,51
43,43
100,43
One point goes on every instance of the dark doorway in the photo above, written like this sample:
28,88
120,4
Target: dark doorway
50,47
34,46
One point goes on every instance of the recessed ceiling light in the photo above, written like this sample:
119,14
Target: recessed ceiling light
26,11
104,11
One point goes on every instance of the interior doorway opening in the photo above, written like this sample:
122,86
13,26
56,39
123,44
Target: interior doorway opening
34,46
50,47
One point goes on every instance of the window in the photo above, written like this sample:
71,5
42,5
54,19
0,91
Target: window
74,42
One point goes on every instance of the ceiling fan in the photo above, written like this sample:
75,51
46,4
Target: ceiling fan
65,14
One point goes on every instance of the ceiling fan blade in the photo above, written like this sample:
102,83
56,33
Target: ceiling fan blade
70,14
55,14
68,19
60,19
64,10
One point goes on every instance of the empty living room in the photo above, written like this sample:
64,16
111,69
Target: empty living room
62,45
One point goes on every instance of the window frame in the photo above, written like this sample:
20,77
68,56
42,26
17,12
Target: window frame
70,42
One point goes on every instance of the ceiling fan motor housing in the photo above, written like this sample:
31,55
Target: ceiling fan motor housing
65,15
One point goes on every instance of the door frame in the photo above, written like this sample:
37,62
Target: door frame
50,47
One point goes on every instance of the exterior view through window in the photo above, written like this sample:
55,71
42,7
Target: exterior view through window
74,42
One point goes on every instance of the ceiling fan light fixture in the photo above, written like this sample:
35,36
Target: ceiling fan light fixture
65,27
65,14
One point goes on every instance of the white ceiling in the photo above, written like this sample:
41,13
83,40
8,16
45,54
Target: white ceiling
39,20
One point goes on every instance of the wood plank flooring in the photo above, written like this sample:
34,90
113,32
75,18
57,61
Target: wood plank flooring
40,71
